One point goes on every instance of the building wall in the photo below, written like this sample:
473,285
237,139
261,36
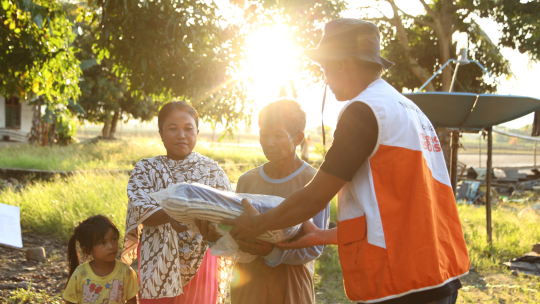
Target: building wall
2,112
27,112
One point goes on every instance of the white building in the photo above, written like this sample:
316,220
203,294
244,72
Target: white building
15,119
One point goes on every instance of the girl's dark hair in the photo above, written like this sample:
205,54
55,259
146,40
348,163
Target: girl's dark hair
89,233
176,105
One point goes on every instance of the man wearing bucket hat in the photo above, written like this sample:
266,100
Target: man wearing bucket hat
399,236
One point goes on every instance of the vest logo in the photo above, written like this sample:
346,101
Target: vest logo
430,143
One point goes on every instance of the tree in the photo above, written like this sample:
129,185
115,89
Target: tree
37,59
35,52
520,25
421,44
104,94
187,50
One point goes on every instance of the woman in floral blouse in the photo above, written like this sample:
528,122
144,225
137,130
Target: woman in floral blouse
174,265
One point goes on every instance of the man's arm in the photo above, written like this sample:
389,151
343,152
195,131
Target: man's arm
301,206
355,139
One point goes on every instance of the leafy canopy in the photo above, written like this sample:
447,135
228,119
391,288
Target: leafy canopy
36,56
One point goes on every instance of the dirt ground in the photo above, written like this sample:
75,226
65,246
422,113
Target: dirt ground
16,272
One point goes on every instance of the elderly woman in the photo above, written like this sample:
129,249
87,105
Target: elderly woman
276,276
174,265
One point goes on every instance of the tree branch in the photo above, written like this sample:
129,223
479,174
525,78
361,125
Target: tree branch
428,9
415,18
414,67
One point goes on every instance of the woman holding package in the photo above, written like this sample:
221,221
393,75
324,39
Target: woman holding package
276,276
174,265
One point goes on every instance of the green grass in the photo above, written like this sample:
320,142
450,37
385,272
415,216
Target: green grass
57,206
112,155
31,296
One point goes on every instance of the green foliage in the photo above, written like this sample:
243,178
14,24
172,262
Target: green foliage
426,50
102,90
520,24
58,206
36,56
176,50
31,296
66,127
188,50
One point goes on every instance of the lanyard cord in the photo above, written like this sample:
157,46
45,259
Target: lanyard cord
322,115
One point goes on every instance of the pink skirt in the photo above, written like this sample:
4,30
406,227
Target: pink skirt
202,289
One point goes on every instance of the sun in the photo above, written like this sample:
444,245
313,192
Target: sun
272,57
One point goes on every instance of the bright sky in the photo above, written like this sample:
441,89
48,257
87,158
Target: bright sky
272,56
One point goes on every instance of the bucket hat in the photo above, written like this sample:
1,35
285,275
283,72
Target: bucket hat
349,37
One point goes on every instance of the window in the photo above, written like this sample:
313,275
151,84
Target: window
13,113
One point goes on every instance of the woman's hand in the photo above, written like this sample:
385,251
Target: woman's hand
209,233
177,226
261,248
309,236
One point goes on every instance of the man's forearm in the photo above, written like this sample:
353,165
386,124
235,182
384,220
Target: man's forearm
297,208
302,205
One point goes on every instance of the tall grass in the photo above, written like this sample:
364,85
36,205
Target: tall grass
56,207
512,235
108,155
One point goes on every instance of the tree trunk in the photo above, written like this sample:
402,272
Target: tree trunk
52,133
105,132
37,124
114,123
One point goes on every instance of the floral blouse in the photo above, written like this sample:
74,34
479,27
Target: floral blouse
169,259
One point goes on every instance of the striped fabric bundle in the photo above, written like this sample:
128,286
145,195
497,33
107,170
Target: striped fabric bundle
185,202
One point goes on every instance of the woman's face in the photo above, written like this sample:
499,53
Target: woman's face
277,142
179,134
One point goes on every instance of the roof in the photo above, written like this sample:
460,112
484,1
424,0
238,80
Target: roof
472,111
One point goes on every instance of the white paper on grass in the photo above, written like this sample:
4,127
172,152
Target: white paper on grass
186,202
10,226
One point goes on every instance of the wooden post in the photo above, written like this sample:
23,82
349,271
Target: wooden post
535,155
480,150
453,159
488,184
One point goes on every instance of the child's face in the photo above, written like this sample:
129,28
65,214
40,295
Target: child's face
107,249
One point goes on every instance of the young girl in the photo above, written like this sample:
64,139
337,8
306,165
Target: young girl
104,279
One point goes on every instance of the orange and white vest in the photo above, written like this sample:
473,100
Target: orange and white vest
398,225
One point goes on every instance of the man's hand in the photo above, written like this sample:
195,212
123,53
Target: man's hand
309,236
244,225
261,248
209,233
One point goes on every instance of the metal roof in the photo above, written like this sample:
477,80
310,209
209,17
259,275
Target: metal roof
472,111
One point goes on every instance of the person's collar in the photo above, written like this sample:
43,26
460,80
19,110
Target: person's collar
374,82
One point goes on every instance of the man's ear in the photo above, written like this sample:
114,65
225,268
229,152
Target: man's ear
299,138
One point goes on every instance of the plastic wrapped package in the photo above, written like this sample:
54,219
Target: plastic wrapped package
186,202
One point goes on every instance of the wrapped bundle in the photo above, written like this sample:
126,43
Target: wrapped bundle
186,202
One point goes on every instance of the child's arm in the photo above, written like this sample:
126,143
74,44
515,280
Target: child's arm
132,300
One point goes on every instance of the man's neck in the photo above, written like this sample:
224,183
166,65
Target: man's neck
359,84
283,167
